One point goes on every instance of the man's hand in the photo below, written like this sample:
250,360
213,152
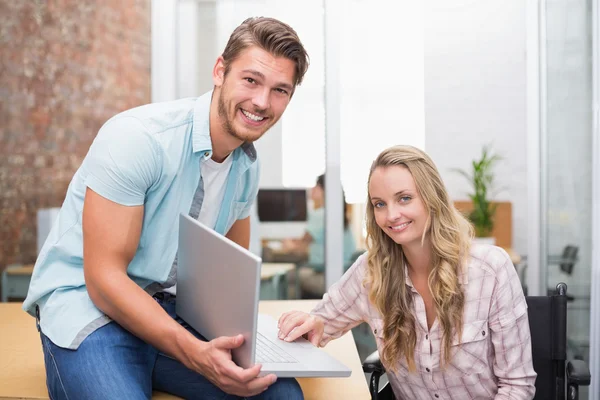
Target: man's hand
294,324
214,362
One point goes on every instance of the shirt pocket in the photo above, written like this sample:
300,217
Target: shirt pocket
470,355
377,330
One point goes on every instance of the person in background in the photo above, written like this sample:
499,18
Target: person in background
312,244
103,288
449,316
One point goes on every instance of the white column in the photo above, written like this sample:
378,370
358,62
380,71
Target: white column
187,48
334,224
163,68
535,282
594,357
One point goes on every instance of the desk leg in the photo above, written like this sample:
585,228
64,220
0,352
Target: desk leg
276,287
282,293
266,290
4,287
297,281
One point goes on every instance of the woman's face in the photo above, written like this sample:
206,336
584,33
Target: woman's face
398,209
317,195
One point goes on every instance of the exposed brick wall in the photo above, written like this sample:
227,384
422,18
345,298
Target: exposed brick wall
66,66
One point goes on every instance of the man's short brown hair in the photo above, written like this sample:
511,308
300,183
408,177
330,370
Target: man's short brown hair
271,35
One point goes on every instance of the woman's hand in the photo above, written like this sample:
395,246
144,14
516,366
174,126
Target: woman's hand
287,245
294,324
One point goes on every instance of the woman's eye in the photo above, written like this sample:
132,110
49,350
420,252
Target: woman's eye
378,205
404,199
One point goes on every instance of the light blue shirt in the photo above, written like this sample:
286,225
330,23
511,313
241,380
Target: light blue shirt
148,156
315,226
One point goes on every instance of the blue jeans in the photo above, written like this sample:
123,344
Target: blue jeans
111,363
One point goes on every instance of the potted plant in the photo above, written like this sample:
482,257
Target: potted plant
481,178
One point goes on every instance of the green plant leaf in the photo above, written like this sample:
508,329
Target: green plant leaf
481,179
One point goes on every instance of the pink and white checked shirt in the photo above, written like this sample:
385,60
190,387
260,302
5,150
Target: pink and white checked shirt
493,359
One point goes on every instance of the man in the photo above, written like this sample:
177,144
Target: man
103,285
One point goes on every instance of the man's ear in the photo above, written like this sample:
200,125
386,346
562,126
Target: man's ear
219,71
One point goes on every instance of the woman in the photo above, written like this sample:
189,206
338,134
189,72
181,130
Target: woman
312,244
449,317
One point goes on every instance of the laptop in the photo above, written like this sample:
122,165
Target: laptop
218,284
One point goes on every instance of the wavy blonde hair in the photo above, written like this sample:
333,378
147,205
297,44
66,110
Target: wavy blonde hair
450,235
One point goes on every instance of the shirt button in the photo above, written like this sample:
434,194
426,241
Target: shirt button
483,333
206,154
427,369
426,337
375,331
437,396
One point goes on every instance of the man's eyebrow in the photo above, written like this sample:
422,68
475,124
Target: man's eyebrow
258,74
255,73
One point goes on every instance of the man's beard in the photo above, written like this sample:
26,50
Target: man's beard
227,123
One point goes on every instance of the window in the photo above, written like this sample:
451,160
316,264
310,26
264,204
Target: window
382,94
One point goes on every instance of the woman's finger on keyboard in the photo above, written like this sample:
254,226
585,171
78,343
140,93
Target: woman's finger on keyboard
312,327
284,317
302,326
291,321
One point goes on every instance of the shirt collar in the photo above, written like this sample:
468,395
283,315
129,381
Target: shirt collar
201,141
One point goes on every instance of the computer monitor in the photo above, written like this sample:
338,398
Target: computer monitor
281,205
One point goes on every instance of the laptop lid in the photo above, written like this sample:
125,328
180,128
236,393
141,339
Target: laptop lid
218,285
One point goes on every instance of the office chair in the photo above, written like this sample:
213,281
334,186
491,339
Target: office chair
549,350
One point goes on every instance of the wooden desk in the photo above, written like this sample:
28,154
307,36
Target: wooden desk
270,270
22,373
15,281
276,254
273,280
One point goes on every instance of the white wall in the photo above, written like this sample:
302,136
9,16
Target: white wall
475,94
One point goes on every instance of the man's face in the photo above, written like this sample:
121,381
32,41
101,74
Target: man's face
254,93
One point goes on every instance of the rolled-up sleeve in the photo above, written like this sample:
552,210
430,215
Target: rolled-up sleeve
123,162
344,305
511,338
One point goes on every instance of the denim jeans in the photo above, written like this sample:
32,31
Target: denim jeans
111,363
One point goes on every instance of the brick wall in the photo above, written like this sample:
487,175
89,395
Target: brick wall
66,67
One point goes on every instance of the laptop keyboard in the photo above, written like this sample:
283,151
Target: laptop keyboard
269,352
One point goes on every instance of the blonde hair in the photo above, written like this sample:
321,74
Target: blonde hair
271,35
450,236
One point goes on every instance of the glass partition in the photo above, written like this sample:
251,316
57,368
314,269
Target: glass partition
567,165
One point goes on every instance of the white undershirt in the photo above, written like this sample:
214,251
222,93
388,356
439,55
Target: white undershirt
214,177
